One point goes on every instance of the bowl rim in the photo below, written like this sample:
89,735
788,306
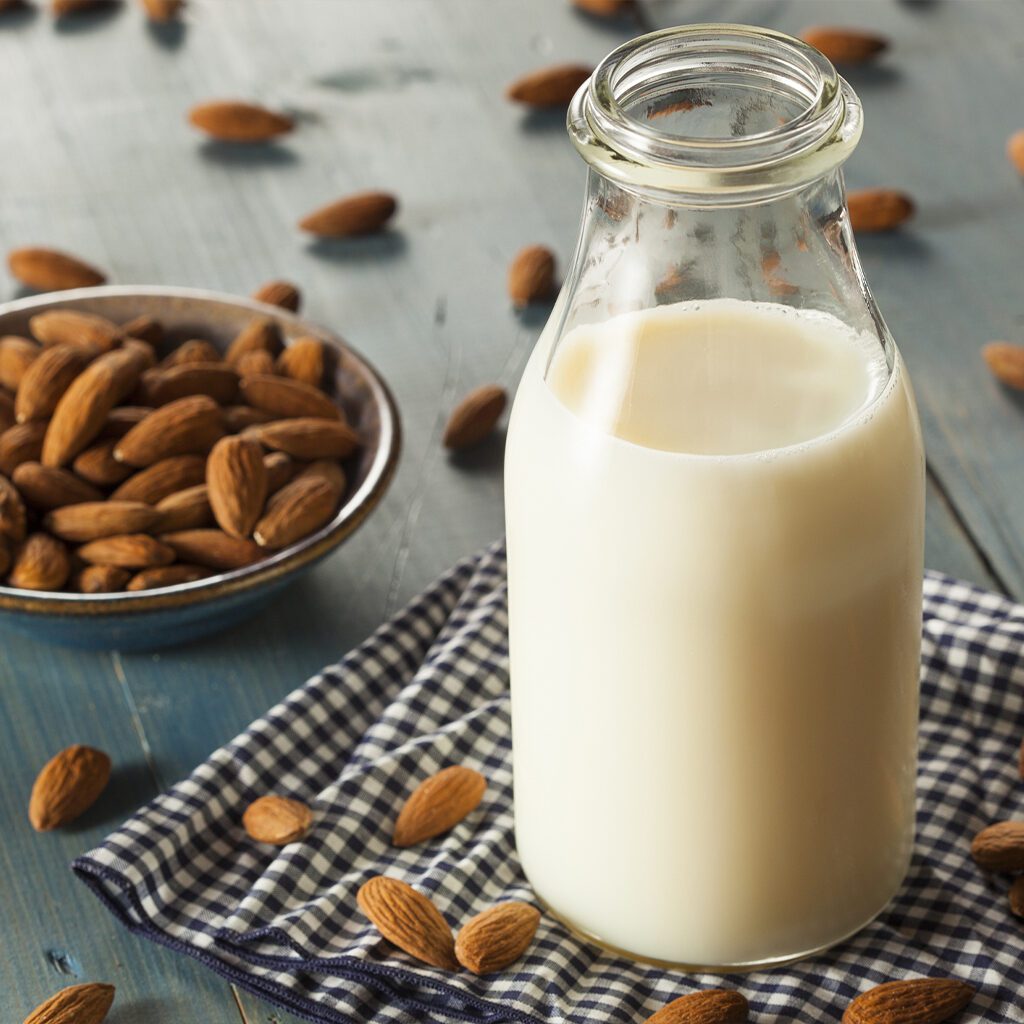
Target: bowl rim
282,563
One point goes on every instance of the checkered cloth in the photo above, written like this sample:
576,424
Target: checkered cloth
429,689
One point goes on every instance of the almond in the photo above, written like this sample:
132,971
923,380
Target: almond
16,356
287,398
70,327
6,556
297,510
160,387
68,785
438,804
308,438
238,417
409,920
238,121
187,426
277,820
552,86
46,487
324,469
1015,150
213,548
98,465
7,418
280,469
711,1006
1000,847
156,482
123,418
143,349
166,576
496,938
21,443
41,563
79,1004
252,364
95,519
163,10
531,277
915,1001
195,350
604,8
1006,361
127,551
62,8
1017,896
259,334
144,328
236,481
845,45
46,379
185,510
878,209
47,270
279,293
475,416
13,518
361,214
308,360
100,579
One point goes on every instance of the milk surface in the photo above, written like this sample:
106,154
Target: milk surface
715,520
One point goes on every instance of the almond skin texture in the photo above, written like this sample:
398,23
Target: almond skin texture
327,470
154,483
98,465
308,438
163,10
308,360
1015,151
127,551
280,469
240,417
16,356
277,820
287,398
252,364
100,579
120,420
195,350
279,293
7,418
361,214
878,209
185,510
144,328
236,482
260,333
438,804
213,549
45,487
21,443
95,519
186,427
712,1006
1000,847
68,785
918,1001
497,938
547,87
160,387
475,416
41,563
845,45
531,277
69,327
297,510
238,121
1006,362
48,270
46,380
79,1004
166,576
409,920
13,518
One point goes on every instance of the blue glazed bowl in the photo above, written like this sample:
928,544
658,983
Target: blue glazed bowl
168,616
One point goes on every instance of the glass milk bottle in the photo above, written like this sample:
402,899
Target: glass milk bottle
715,497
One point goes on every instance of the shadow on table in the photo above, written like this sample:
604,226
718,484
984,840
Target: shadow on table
168,35
18,17
899,244
386,245
130,786
87,21
544,121
486,457
246,154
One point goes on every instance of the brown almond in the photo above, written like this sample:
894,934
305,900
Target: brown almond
1017,896
127,551
145,328
156,482
92,520
41,563
120,420
78,1004
279,293
297,510
64,8
214,549
409,920
7,417
16,356
238,121
1006,361
253,364
710,1006
496,938
259,334
277,820
308,360
185,510
280,469
6,556
1000,847
68,785
187,426
71,327
327,470
21,443
438,804
166,576
239,417
913,1001
531,277
287,398
878,209
46,379
160,387
605,8
845,45
48,270
308,438
100,579
236,482
163,10
195,350
475,416
98,465
13,517
552,86
47,487
143,349
1015,150
361,214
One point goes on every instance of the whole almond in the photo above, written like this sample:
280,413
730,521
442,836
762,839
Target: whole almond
48,270
71,327
21,443
41,563
185,510
438,804
878,209
915,1001
287,398
277,820
145,328
845,45
279,293
187,426
98,465
236,482
1006,361
13,517
1015,150
531,277
1000,847
214,549
361,214
47,487
68,785
127,551
604,8
475,416
46,379
308,360
95,519
63,8
253,364
552,86
120,420
156,482
100,579
238,417
78,1004
308,438
409,920
166,576
238,121
297,510
496,938
195,350
324,469
7,418
163,10
259,334
710,1006
1017,896
162,386
16,356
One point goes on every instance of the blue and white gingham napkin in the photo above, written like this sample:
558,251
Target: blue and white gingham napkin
429,689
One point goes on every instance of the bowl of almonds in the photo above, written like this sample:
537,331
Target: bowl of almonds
171,458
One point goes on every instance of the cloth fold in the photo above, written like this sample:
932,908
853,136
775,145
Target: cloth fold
429,689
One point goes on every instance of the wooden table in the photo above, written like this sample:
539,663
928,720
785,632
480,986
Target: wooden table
406,95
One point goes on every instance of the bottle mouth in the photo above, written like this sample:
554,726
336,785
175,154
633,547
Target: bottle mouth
717,113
